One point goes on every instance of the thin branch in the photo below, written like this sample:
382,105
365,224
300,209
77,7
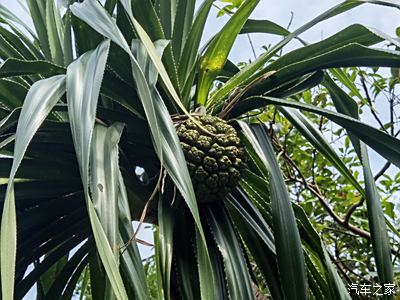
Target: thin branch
287,27
144,212
388,163
313,188
340,267
352,228
369,99
252,46
144,243
396,255
376,177
239,92
290,20
352,210
382,171
391,104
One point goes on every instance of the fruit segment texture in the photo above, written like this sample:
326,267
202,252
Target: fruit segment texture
214,154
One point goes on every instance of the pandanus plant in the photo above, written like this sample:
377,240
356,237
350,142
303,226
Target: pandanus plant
99,89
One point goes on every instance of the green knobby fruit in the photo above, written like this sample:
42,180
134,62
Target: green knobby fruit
214,155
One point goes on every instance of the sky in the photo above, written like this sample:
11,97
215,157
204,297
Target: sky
382,18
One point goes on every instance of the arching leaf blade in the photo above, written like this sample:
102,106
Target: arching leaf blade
289,250
237,274
191,45
55,31
104,184
263,26
384,144
315,137
214,58
15,67
246,74
377,225
38,103
84,77
376,217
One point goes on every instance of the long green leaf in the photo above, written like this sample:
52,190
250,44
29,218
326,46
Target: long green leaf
15,67
247,73
237,274
384,144
265,259
104,184
97,278
257,190
12,94
131,263
96,16
32,169
315,245
165,237
37,11
64,248
167,12
187,62
376,220
379,233
346,105
185,258
214,58
68,41
351,55
40,99
55,32
296,86
171,155
86,38
7,47
290,256
149,16
30,42
253,217
182,25
152,52
84,78
263,26
356,33
152,21
160,295
206,276
91,12
76,263
17,43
